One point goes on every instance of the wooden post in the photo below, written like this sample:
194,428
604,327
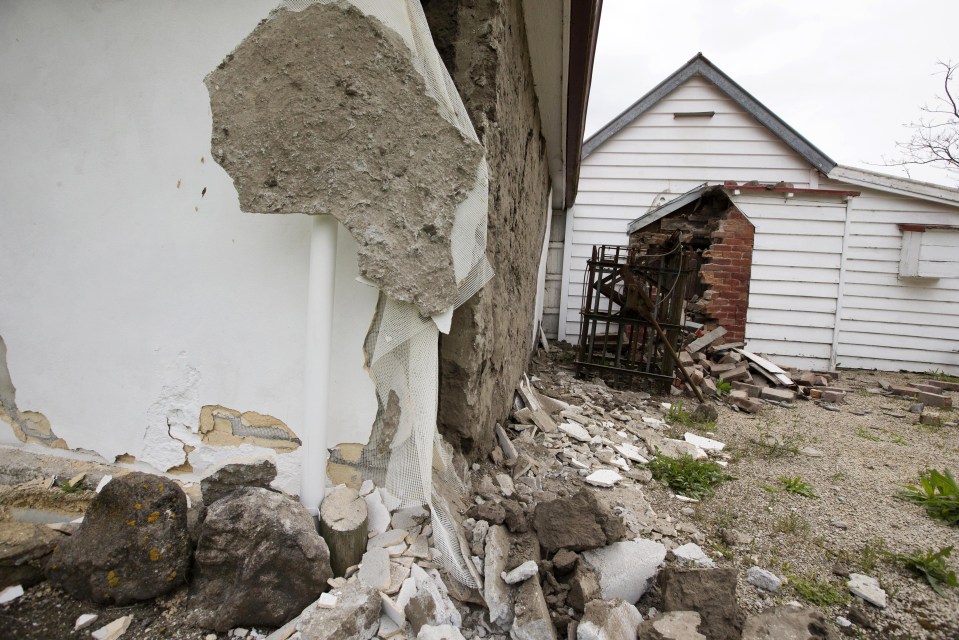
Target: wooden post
343,524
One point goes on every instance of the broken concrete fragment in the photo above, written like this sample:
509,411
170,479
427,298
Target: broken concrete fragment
375,568
692,553
710,592
576,523
84,621
357,136
626,569
583,587
113,630
532,620
575,431
867,588
674,625
788,621
439,632
498,594
706,444
232,476
603,478
608,620
356,615
23,546
523,572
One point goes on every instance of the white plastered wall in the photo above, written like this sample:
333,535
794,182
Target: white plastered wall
132,289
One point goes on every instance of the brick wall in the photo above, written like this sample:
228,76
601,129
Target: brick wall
726,269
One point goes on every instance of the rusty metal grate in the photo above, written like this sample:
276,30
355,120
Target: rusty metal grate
617,332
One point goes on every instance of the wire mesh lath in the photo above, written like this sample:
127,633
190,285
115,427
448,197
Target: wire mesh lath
617,333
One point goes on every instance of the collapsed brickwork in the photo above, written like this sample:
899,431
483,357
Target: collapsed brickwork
723,239
483,44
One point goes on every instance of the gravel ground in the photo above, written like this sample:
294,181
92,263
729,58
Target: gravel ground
855,459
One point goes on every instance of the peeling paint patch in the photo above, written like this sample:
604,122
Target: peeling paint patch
221,426
322,111
28,426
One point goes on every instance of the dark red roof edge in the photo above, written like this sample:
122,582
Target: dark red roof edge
583,31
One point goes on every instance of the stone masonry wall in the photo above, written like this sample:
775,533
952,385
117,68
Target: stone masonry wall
483,44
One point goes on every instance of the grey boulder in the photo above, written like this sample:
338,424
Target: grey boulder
133,544
259,562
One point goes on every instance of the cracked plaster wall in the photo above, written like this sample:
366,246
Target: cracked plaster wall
483,44
134,290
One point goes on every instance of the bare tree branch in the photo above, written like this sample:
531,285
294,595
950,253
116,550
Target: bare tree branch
935,137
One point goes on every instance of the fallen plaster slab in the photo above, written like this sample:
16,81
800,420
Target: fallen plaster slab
334,130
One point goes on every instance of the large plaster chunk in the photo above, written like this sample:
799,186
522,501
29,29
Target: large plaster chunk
322,112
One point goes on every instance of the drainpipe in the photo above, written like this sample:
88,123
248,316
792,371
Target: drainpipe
319,334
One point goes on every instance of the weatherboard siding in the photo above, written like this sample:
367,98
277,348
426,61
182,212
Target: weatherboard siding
658,157
888,322
794,285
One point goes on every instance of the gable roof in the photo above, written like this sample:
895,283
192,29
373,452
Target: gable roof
700,66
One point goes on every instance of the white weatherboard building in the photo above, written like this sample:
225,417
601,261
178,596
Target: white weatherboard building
868,281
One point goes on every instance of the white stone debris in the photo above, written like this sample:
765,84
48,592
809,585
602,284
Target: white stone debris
608,620
392,611
113,630
505,484
523,572
631,452
366,488
84,621
603,478
692,553
104,481
626,569
378,516
326,601
706,444
867,588
439,632
11,593
762,579
375,568
575,431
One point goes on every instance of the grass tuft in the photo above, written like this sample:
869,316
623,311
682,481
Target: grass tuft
821,593
688,477
938,493
930,565
797,485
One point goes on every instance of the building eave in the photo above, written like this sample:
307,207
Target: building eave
896,185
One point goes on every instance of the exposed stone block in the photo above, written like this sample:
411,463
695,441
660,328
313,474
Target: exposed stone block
781,395
934,399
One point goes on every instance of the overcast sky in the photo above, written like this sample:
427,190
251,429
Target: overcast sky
846,74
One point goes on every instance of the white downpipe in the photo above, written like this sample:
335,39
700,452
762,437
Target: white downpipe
319,336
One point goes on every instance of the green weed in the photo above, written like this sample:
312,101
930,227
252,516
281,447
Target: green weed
688,477
870,555
723,388
772,448
821,593
792,523
938,493
797,485
939,374
66,487
678,415
930,565
865,435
